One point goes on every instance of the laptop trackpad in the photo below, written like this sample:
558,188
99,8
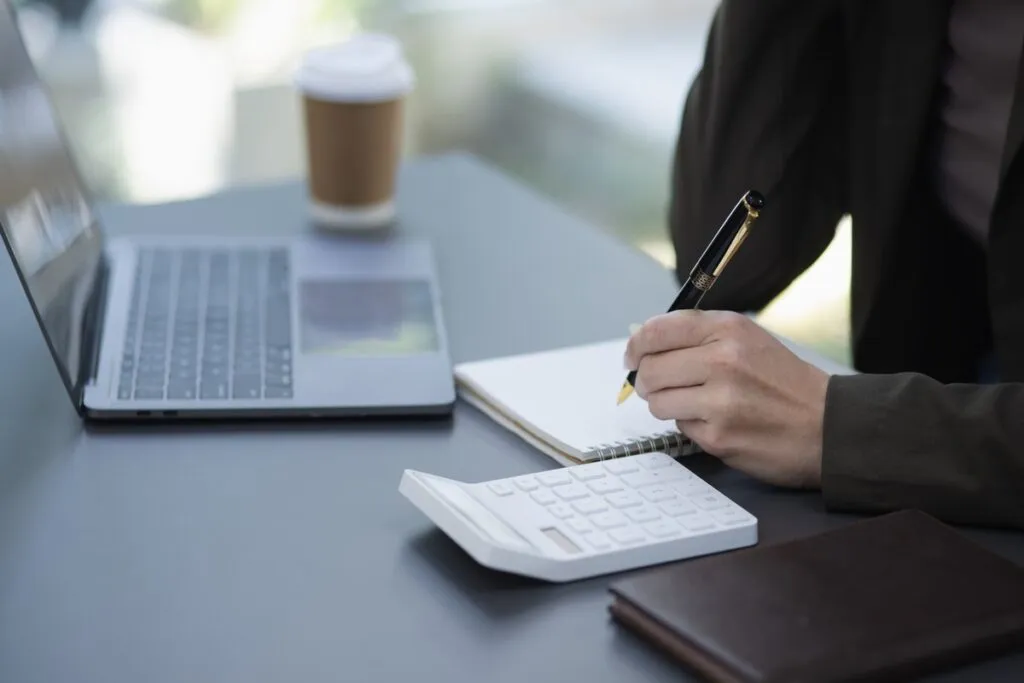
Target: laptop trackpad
366,317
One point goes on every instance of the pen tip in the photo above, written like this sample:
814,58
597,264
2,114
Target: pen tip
624,393
755,199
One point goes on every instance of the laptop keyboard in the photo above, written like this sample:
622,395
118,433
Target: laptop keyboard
209,324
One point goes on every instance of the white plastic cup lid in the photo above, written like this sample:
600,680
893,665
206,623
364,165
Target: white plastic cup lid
367,68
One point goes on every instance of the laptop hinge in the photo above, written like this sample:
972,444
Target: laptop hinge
92,326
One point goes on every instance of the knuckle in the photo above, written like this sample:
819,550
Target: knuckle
726,404
733,323
658,407
653,374
640,384
657,333
715,438
728,354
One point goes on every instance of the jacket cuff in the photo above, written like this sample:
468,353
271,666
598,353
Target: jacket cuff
906,441
860,433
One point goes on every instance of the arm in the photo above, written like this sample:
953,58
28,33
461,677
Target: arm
766,112
870,442
907,441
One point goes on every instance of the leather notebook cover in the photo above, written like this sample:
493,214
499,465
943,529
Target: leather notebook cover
885,599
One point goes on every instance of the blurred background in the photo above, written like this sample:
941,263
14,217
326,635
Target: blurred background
580,99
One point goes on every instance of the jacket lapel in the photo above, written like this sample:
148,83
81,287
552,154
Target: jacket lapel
899,84
1015,130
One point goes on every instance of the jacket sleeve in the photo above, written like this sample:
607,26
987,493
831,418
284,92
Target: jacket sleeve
899,441
765,112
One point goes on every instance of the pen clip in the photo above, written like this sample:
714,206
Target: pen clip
741,235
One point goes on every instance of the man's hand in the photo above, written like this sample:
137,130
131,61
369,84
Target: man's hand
734,389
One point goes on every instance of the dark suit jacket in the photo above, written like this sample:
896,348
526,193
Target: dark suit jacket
827,106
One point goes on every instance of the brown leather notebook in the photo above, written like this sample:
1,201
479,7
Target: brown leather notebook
885,599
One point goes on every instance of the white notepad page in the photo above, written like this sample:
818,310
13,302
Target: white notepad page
563,401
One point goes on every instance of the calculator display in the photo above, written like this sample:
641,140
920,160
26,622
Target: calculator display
563,541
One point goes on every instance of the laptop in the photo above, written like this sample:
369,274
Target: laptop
164,326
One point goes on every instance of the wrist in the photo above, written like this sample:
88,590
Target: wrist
818,384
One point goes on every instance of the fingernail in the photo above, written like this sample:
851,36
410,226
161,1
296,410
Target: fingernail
634,328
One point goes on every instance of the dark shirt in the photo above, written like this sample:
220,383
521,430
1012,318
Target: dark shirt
982,59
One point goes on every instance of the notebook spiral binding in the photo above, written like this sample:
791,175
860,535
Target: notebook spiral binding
673,443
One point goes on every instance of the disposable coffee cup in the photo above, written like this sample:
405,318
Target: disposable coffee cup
353,97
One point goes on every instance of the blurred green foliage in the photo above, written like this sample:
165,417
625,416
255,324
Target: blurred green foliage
212,16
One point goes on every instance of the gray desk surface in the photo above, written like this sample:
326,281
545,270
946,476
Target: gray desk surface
284,552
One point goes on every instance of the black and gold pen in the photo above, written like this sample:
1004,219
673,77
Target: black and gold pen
712,262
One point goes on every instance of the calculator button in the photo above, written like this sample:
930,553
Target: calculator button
527,483
554,478
606,485
580,525
621,466
627,536
623,499
500,488
610,519
598,541
691,487
590,506
697,522
642,514
587,472
561,510
678,507
710,501
571,491
638,479
663,528
544,497
668,474
658,493
731,516
654,461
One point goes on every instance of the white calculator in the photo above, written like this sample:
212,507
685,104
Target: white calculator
577,522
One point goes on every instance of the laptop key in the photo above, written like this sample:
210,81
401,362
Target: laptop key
182,377
150,380
181,390
279,335
215,374
279,353
183,368
246,386
278,392
148,393
250,368
215,358
278,369
213,390
247,355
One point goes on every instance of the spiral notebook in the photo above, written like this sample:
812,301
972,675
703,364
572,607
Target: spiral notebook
562,401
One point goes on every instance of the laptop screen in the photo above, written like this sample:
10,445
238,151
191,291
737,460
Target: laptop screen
45,215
